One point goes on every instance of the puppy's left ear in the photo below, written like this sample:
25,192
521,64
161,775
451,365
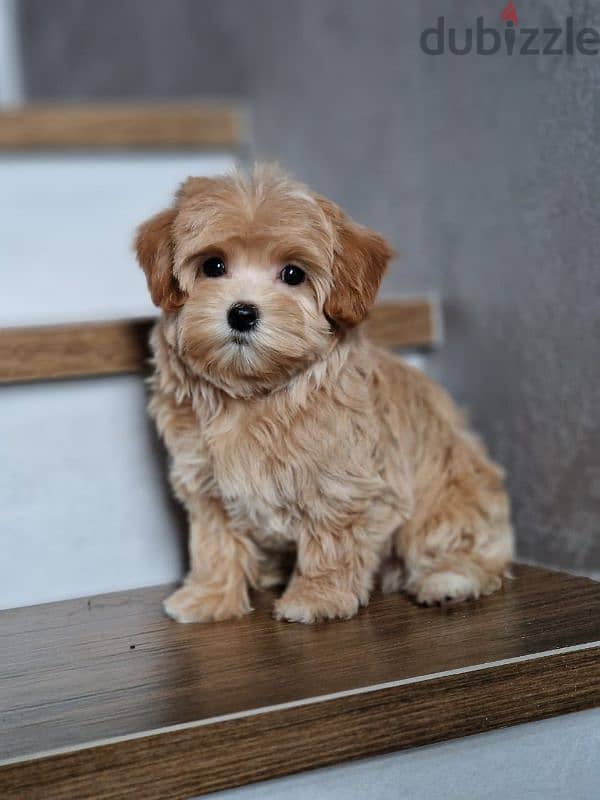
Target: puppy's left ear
154,250
361,257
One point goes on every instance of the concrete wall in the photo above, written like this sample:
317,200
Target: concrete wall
483,170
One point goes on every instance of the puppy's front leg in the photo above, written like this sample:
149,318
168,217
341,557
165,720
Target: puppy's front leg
333,576
222,565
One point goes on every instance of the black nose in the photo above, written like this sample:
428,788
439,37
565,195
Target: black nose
242,316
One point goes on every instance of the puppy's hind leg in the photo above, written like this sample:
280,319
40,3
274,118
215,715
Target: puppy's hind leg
460,543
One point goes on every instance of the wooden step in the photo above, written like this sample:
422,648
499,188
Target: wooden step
109,348
123,126
106,697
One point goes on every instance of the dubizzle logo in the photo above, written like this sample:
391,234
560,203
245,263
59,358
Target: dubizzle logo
510,40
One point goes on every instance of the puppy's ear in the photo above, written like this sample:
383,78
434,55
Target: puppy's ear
154,249
360,259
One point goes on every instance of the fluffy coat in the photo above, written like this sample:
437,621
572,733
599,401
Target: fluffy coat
299,445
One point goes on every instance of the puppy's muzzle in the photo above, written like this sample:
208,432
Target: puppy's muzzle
242,317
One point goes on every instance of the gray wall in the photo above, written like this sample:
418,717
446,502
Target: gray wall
483,171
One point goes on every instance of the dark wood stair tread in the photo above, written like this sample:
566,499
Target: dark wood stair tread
106,697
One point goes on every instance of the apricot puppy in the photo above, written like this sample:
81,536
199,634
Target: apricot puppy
289,434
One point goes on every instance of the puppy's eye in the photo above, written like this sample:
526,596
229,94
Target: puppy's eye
292,275
213,267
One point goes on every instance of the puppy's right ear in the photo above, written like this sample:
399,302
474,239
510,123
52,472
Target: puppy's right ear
154,249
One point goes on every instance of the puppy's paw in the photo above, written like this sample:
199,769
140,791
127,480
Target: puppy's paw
309,601
196,604
444,587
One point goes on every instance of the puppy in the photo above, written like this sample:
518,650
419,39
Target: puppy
290,435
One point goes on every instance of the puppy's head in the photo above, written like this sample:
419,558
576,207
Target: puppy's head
263,276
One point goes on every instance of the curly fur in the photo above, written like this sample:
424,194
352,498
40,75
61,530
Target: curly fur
304,444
